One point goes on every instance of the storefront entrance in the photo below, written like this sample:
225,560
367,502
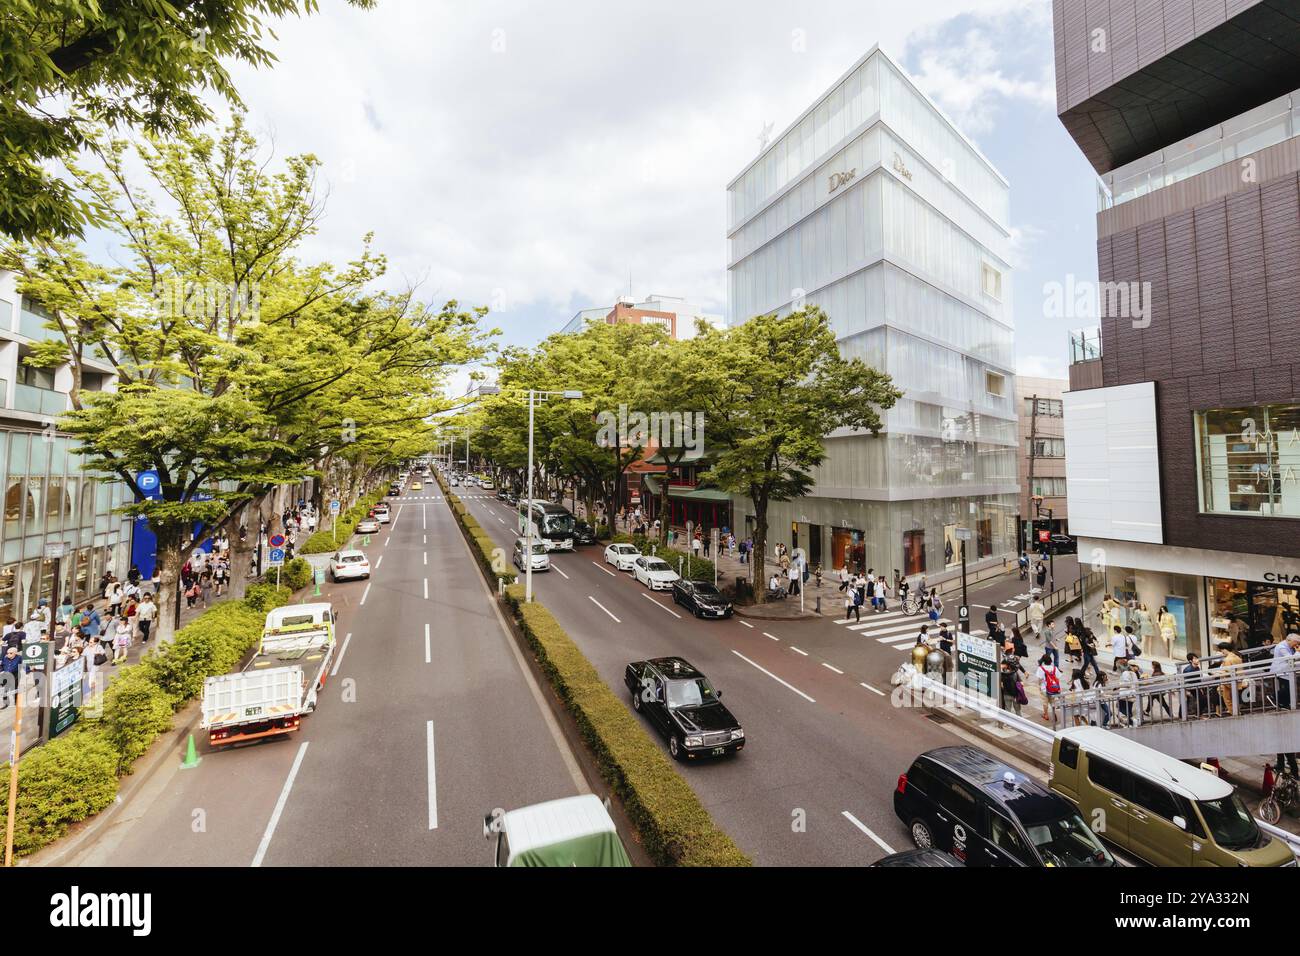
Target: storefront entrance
848,549
1269,612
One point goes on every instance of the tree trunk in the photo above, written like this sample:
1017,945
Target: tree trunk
170,538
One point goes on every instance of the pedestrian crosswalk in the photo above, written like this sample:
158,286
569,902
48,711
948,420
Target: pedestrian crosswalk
425,497
894,628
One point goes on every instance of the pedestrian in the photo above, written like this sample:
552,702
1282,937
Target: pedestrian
1073,646
1103,703
1049,642
91,624
65,611
1088,644
697,544
851,606
991,620
17,637
1018,642
1159,697
1036,614
192,593
145,615
133,576
1049,684
1041,575
11,673
1078,683
1127,692
113,596
1196,700
1024,566
1011,677
793,575
936,605
121,640
882,594
845,577
205,587
945,639
1118,648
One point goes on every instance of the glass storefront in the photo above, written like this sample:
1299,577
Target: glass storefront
1268,611
1163,609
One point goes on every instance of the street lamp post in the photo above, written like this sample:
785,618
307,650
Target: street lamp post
533,395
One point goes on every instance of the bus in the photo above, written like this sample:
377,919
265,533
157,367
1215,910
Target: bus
552,524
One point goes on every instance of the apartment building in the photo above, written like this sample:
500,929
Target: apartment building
1043,502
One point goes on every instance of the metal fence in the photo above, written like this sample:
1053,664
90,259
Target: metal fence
1092,583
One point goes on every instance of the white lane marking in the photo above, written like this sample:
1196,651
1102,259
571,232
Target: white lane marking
863,827
603,608
433,779
830,668
426,539
606,570
364,594
279,806
774,677
772,636
502,520
342,650
379,562
657,604
426,557
880,616
872,689
748,625
424,516
562,574
798,650
426,589
428,648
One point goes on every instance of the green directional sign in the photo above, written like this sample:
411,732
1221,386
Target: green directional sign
977,664
65,696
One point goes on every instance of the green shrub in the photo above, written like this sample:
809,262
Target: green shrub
136,711
296,574
61,783
263,597
325,542
674,826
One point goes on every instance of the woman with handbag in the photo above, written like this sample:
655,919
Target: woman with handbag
1011,679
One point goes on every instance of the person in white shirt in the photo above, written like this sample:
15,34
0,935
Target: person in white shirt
793,575
145,615
1118,648
1049,685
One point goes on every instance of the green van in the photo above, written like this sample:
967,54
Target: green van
1159,809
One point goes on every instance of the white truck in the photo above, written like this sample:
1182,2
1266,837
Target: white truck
279,685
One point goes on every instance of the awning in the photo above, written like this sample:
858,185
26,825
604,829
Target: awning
685,494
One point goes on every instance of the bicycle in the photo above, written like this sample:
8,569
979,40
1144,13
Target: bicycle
1285,795
911,605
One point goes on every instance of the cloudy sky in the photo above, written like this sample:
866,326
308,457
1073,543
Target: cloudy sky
532,156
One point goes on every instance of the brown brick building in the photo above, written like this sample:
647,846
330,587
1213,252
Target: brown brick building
1183,437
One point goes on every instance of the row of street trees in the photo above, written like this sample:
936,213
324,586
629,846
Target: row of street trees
769,390
238,367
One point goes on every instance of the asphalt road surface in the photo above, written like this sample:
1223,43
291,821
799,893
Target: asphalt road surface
427,722
824,743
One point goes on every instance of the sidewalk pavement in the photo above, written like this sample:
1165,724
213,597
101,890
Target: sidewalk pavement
133,655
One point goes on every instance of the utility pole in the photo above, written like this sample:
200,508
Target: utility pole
1033,455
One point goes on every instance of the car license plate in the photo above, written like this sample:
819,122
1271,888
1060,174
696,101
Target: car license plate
718,751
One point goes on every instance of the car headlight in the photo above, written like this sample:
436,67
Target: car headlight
694,741
738,734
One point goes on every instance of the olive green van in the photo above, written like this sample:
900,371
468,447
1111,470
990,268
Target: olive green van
1157,808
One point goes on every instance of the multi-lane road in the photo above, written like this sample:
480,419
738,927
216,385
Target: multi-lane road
824,742
429,720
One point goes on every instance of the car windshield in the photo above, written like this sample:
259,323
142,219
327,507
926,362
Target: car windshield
707,590
353,558
657,565
1068,842
1230,823
625,549
539,548
690,693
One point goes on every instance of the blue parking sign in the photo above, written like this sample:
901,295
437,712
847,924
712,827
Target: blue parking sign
275,556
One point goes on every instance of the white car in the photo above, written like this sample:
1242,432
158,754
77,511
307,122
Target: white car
622,556
382,514
654,573
367,526
349,565
486,484
541,560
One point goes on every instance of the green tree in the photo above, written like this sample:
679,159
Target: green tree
67,66
771,389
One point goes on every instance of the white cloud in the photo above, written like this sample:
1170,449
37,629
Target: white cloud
1041,366
540,152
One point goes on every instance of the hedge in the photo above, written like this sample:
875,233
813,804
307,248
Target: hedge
324,542
76,775
481,544
674,826
296,574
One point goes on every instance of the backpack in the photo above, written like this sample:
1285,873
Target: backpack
1052,680
857,598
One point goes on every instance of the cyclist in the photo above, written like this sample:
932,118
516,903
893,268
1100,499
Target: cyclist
1024,566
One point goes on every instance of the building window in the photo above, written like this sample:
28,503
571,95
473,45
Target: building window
995,384
1046,407
1049,487
991,281
1250,460
1045,447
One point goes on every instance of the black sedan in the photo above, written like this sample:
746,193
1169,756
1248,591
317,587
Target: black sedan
583,533
701,598
684,707
1063,544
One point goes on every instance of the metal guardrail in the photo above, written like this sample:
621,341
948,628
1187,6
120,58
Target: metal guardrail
1224,692
964,697
1092,583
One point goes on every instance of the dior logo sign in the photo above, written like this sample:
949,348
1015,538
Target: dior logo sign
901,168
839,179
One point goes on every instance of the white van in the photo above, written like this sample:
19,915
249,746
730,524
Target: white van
541,560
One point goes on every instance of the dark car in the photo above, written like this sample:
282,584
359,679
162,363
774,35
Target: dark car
966,802
583,533
701,598
394,491
684,707
1063,544
919,858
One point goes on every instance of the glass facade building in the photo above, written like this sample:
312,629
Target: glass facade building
874,207
48,497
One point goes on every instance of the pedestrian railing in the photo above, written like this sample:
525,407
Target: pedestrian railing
1091,583
1222,692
